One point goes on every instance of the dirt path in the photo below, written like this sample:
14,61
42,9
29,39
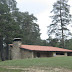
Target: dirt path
38,69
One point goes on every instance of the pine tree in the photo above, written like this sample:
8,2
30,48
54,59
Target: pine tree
60,20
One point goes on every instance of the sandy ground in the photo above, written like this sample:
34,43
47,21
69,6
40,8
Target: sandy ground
39,69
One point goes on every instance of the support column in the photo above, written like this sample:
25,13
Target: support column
65,54
54,54
32,54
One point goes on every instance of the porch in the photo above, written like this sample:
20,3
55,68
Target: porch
50,54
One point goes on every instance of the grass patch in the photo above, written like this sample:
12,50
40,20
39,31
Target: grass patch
61,62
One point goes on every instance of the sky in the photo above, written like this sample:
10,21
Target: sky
41,10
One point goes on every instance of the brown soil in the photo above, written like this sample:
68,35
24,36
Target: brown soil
38,69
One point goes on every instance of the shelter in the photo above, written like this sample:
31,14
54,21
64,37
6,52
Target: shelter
19,51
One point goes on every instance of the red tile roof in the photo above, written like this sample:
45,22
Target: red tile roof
44,48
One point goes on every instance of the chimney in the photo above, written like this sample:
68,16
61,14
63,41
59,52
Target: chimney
16,48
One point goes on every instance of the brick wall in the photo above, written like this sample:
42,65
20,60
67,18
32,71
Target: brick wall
26,54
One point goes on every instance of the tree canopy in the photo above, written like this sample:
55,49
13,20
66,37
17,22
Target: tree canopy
14,23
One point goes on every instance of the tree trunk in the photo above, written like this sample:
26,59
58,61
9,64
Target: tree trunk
2,49
62,41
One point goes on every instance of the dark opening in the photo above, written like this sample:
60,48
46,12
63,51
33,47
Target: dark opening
60,53
69,54
38,54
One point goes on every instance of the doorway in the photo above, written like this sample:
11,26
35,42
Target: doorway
38,54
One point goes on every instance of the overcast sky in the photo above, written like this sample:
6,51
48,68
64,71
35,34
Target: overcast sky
41,9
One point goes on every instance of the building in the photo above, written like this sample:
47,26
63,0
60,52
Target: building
19,51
